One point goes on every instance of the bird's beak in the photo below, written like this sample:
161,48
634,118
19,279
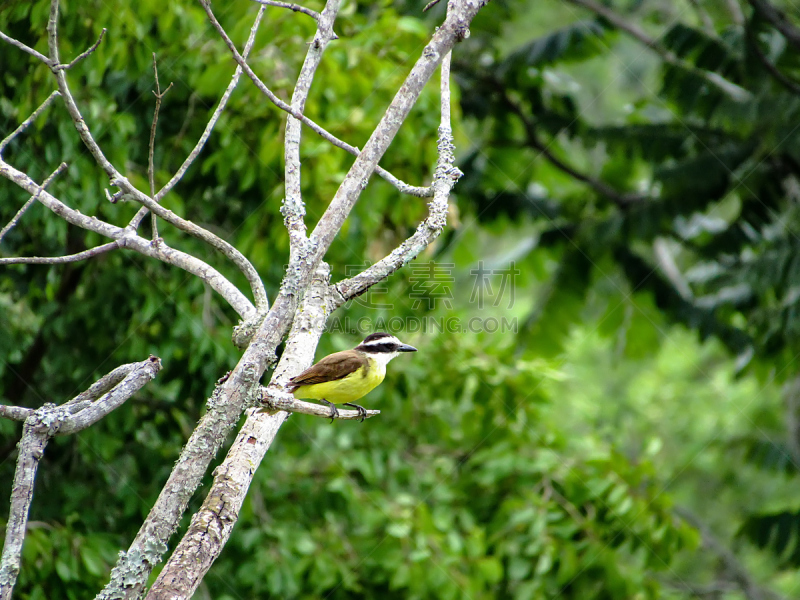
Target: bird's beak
406,348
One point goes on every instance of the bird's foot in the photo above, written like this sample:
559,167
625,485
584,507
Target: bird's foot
334,412
362,412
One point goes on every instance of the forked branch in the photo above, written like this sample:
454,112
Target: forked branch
31,200
293,208
405,188
444,179
105,395
118,180
27,122
127,238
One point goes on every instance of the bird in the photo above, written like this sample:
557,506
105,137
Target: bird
343,377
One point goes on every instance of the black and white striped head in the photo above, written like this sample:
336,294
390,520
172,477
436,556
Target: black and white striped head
383,347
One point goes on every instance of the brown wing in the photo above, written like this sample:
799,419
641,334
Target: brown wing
332,367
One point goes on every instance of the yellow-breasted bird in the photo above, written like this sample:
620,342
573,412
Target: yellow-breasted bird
344,377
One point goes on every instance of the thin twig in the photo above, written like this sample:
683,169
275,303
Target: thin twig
291,6
106,383
151,171
532,139
82,55
69,101
15,413
734,91
31,200
60,260
211,122
783,79
422,192
137,377
453,29
430,5
24,48
26,123
213,240
118,180
778,20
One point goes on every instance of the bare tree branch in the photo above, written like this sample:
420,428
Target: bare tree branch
15,413
31,200
24,48
444,179
26,123
291,6
212,524
46,422
275,399
69,101
118,180
454,29
734,91
107,382
405,188
82,55
293,207
60,260
240,388
151,171
127,238
135,380
225,407
191,264
216,242
223,102
31,449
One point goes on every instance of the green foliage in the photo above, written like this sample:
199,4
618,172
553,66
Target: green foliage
539,461
778,533
694,153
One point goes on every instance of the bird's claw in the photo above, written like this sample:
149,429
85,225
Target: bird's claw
362,412
334,411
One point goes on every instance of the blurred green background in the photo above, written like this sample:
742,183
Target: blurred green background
632,433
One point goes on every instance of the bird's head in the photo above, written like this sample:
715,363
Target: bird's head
383,347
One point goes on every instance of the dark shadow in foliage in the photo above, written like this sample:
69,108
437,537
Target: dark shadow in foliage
778,533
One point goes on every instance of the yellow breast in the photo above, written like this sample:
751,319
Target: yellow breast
347,389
